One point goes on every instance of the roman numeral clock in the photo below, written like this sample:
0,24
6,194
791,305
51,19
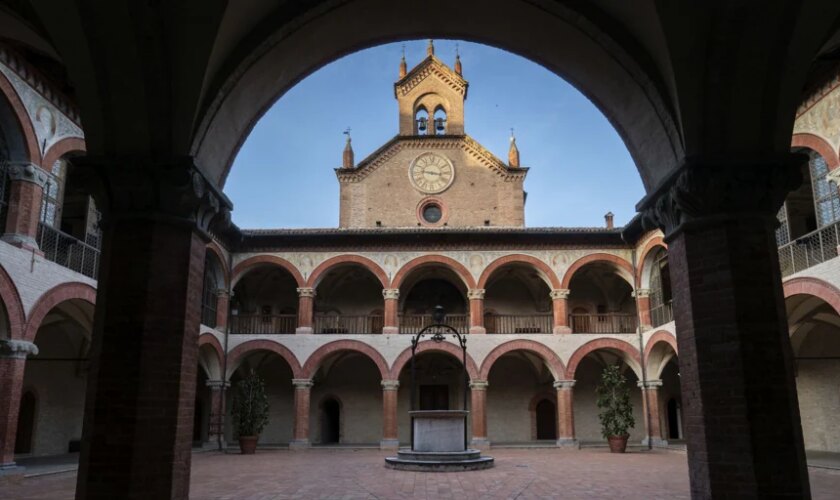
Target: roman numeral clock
431,173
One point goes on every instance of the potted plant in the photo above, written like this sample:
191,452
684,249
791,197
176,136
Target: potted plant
616,410
250,411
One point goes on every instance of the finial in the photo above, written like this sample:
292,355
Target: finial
458,67
513,152
512,138
347,157
430,50
403,69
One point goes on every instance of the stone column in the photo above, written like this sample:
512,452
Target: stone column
560,300
476,297
138,421
306,306
26,192
390,390
392,300
222,308
642,296
565,413
216,429
478,410
303,388
741,412
650,403
12,362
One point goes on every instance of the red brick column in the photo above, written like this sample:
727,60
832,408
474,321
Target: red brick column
650,403
306,306
390,440
137,435
741,412
222,309
12,362
476,297
478,410
642,296
303,388
392,300
25,194
560,299
565,413
216,430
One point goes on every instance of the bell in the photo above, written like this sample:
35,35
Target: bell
439,124
421,124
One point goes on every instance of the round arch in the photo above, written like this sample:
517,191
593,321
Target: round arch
63,147
52,298
660,349
643,267
448,262
316,358
209,339
13,305
610,344
813,286
27,131
432,346
818,144
548,275
324,267
220,257
241,269
239,353
549,357
661,336
625,268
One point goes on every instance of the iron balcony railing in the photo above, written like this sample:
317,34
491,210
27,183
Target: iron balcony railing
263,323
603,323
413,323
327,323
661,314
809,250
68,251
519,323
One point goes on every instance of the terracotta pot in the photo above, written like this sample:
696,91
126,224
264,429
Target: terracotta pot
618,444
248,444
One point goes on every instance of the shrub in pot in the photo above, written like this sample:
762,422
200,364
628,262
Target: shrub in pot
616,411
250,411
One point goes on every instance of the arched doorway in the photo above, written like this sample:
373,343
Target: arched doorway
330,421
26,423
546,420
674,419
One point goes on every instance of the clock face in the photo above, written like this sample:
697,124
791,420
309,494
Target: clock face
431,173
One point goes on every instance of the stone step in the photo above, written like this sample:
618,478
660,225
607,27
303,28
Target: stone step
437,466
438,456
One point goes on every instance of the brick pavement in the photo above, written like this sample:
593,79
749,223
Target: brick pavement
346,474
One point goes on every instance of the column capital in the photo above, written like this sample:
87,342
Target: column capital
708,190
479,385
391,293
24,171
560,293
302,383
640,293
564,384
17,349
390,385
216,385
649,384
306,292
476,294
223,292
833,176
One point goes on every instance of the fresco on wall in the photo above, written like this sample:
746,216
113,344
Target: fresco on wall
822,119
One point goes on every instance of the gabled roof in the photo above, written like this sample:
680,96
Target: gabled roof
431,65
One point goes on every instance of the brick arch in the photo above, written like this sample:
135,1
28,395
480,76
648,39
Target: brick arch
212,341
61,148
818,144
549,357
220,256
594,345
448,262
654,243
432,346
658,337
238,353
316,358
25,124
52,298
813,286
596,257
338,260
13,305
537,264
246,265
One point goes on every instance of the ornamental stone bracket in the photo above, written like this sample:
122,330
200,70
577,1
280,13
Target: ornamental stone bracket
479,385
302,383
391,293
640,293
476,294
564,384
17,349
26,172
649,384
560,293
306,292
390,385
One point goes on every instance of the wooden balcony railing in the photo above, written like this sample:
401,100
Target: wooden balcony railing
661,314
327,323
519,323
413,323
263,323
603,323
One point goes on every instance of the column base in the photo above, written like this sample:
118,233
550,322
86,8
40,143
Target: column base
562,329
389,444
477,330
389,330
299,445
480,443
11,473
568,443
659,442
303,330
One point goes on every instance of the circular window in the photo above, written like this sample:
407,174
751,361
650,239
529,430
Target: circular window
432,213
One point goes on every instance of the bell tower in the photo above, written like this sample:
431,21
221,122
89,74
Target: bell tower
431,97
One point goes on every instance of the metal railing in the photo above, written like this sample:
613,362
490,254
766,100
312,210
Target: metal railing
326,323
519,323
68,251
413,323
263,323
809,250
603,323
661,314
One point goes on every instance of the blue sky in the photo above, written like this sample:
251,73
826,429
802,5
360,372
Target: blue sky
580,169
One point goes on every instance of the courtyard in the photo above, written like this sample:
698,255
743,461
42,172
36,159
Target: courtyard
359,473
